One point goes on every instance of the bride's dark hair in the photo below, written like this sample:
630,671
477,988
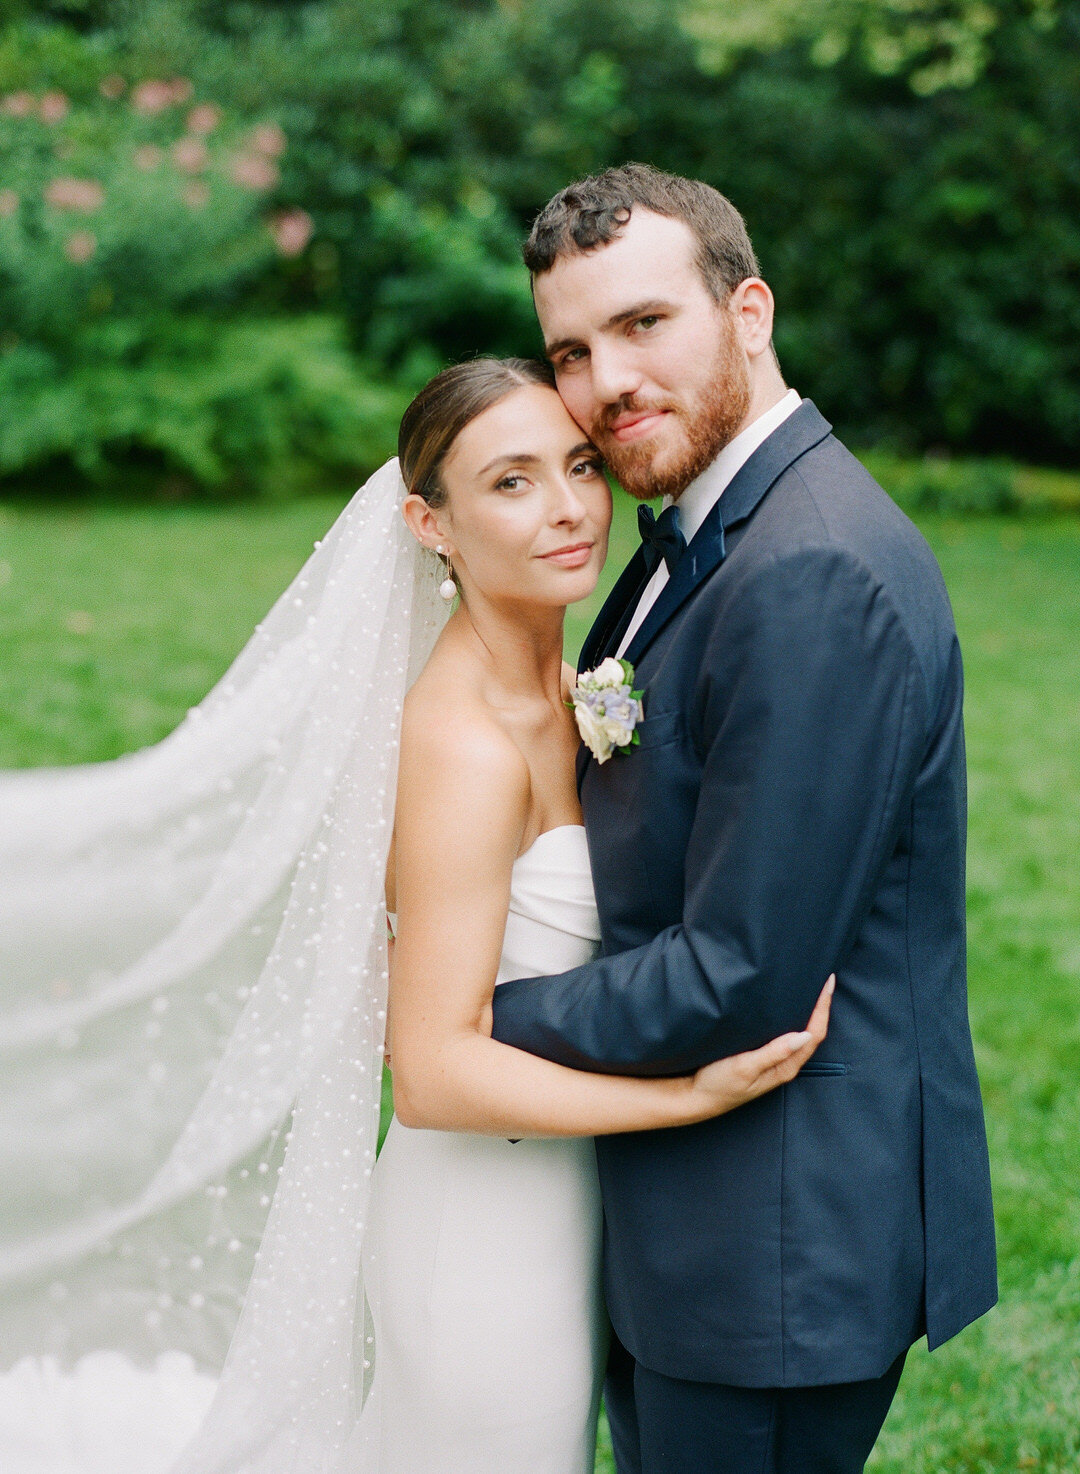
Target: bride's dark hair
447,404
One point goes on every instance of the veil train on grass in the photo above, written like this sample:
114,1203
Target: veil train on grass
192,1011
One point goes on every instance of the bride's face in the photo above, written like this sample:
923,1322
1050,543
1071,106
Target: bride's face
528,509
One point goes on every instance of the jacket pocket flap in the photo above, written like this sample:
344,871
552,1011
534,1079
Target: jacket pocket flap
658,727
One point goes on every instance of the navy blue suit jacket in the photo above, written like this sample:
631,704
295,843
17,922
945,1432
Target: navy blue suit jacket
797,806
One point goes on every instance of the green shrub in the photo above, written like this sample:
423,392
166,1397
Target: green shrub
940,484
271,407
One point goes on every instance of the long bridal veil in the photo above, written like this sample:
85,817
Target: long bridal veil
192,1010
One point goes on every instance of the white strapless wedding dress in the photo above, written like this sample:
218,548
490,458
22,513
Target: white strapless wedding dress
482,1270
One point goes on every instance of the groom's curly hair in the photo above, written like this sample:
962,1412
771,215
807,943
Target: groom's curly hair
592,212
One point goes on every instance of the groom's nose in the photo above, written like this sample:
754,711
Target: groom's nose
614,376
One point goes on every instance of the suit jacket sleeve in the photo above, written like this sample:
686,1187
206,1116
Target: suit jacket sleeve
809,709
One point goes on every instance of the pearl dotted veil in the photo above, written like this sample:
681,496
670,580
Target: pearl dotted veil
192,1014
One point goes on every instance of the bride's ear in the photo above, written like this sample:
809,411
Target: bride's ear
422,520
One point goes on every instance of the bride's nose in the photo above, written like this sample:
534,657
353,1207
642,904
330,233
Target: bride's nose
566,507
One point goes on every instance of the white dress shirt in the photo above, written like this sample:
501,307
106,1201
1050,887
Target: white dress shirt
699,498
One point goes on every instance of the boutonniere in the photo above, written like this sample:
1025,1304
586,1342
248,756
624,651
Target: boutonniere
606,708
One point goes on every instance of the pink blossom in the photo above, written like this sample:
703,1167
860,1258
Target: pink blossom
53,107
80,246
269,139
254,172
112,86
152,97
204,118
85,195
18,104
9,203
291,230
190,155
196,194
148,156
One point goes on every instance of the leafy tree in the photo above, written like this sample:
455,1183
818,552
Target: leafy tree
907,168
924,246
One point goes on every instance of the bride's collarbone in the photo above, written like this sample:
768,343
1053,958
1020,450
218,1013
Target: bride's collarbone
544,738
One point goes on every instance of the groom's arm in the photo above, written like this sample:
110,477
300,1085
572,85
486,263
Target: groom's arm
812,710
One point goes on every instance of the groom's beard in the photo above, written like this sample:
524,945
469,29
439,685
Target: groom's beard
708,421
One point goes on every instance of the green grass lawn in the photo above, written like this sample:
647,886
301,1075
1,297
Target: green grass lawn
113,622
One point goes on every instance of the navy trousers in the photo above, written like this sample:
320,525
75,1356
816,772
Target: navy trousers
660,1425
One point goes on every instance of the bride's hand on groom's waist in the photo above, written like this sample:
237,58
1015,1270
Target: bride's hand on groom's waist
739,1078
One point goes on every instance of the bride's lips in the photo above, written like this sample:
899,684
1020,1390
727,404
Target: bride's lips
636,426
574,555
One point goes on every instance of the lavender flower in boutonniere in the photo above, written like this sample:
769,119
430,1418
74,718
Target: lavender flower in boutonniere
606,708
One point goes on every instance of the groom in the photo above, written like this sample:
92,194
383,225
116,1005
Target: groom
796,806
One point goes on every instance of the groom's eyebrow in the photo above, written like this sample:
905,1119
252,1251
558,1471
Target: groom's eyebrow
639,309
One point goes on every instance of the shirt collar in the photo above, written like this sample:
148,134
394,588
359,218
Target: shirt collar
699,498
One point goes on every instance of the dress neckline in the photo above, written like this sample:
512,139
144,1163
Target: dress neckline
557,829
391,916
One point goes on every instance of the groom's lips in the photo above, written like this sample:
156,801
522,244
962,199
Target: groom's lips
574,555
635,426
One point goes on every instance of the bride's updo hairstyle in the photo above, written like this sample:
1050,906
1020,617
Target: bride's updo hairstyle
447,404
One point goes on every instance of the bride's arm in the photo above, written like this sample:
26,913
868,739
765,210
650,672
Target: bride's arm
463,797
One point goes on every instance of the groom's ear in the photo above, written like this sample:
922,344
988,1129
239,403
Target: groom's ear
752,305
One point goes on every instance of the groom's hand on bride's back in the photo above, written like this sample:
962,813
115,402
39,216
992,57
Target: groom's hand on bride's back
739,1078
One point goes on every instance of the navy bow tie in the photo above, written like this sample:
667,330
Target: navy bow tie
661,537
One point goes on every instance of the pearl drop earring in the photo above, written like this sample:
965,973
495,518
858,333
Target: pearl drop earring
448,588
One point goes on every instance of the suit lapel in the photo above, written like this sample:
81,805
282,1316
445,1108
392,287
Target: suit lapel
796,435
607,629
615,612
791,439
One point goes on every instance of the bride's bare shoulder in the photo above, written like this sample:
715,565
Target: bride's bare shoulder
455,755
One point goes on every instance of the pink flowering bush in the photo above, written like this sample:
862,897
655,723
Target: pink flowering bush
138,225
119,166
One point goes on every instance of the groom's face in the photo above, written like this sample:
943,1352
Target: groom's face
647,361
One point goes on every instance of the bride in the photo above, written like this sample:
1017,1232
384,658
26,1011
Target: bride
202,1269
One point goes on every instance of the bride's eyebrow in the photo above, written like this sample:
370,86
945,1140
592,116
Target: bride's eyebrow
509,460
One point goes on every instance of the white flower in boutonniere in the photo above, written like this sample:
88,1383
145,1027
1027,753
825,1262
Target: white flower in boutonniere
606,708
